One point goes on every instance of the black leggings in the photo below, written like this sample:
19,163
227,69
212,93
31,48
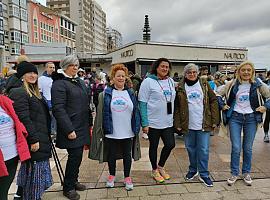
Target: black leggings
167,136
266,121
6,181
125,145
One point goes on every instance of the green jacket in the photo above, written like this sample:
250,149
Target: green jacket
98,149
210,112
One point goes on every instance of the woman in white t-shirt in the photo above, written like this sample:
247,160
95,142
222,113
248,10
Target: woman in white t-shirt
121,123
156,100
244,112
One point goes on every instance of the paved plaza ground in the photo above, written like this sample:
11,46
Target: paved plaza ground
94,175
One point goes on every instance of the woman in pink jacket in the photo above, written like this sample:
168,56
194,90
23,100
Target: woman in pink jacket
13,145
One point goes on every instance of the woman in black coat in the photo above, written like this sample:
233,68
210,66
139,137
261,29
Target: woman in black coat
70,106
34,176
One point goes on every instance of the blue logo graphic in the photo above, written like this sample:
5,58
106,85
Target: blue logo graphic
119,102
4,120
194,96
167,92
244,98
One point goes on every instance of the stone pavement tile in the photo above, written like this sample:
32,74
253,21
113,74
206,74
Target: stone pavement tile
129,198
252,194
157,190
151,198
138,192
97,194
117,192
201,196
176,189
54,196
141,166
265,190
171,196
220,175
231,195
259,183
196,187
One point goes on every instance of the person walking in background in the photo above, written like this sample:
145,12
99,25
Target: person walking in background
13,145
156,101
45,85
70,106
245,108
122,125
97,88
196,115
267,116
34,176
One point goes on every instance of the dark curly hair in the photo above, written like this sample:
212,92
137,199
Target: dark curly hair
157,62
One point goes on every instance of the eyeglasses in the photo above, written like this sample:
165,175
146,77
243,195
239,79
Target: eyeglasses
192,72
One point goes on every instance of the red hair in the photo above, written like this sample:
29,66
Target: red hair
116,67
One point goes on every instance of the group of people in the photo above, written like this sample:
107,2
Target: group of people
160,108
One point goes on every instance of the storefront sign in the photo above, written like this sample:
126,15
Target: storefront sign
127,53
235,56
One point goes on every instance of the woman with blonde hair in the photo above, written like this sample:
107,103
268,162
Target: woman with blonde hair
244,112
34,175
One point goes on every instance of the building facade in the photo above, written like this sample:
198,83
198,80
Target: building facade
91,20
2,43
47,26
114,39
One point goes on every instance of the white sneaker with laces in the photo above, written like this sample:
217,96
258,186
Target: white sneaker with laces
144,136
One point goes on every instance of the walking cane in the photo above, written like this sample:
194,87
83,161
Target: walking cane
57,163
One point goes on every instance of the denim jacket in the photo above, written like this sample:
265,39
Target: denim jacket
230,90
107,113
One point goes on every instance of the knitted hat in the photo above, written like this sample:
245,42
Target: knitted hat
25,67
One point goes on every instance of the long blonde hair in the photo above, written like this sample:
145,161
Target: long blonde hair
247,62
32,89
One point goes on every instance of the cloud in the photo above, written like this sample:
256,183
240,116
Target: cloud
242,23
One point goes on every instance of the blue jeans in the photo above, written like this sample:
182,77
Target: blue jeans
248,123
197,145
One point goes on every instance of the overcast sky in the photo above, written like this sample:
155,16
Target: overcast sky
241,23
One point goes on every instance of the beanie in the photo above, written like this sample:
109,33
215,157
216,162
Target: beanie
25,67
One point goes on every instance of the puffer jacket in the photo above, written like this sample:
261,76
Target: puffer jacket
34,114
70,106
210,112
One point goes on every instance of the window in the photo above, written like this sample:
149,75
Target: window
35,22
6,34
25,38
24,14
2,39
6,48
1,10
15,36
35,35
1,25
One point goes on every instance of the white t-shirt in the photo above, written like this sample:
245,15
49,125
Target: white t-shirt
121,108
7,136
195,106
45,85
156,93
242,104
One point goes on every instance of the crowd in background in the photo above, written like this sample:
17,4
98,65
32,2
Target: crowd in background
57,108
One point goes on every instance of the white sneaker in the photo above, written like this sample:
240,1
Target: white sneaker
144,136
232,180
247,179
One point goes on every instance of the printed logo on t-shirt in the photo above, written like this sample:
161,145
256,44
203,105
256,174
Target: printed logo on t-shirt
195,96
242,98
4,119
119,104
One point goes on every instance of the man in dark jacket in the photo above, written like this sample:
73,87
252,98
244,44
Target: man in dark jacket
70,106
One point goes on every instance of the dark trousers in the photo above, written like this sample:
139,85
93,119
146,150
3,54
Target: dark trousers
72,168
167,136
6,181
266,121
125,145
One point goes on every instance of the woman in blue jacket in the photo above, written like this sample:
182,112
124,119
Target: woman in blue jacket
244,112
121,115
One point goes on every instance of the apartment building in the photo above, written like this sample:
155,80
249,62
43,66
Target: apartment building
47,26
114,39
91,20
